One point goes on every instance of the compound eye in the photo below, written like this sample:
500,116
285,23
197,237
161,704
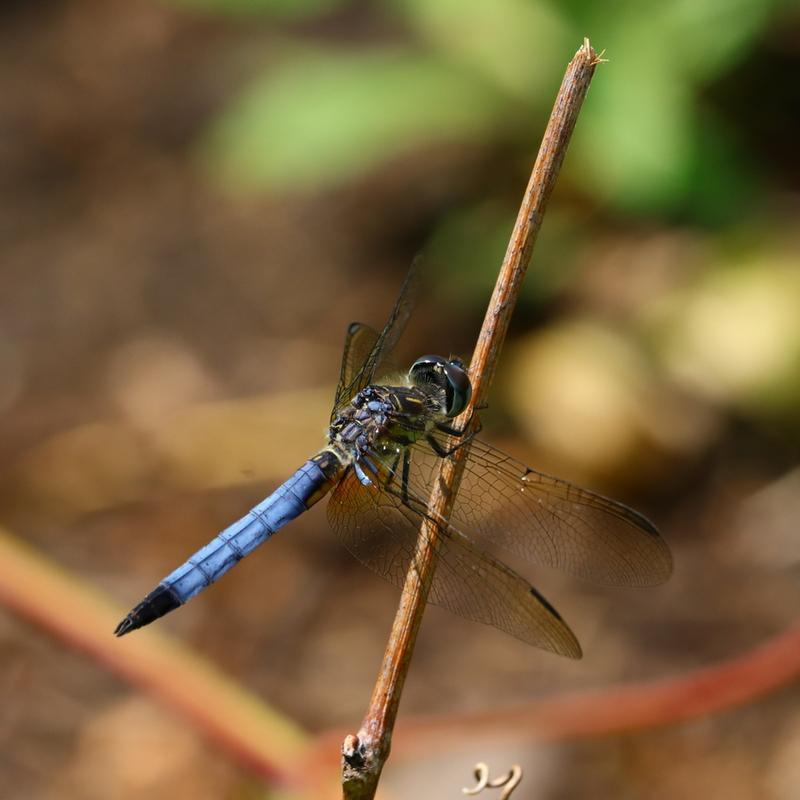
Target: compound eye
428,362
449,375
427,369
459,388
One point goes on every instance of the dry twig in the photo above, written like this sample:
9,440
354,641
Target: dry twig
365,753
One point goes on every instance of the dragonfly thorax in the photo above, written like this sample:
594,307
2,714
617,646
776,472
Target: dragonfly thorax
384,419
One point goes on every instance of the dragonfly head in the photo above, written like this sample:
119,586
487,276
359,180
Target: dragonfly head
449,375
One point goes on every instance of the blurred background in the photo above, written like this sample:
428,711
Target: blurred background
197,196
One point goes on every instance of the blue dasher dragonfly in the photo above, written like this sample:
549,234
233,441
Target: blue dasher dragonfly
384,448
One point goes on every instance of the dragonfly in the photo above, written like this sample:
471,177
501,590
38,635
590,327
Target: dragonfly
380,463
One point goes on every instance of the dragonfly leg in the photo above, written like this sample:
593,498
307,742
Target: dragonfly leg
392,472
458,432
444,452
449,429
406,469
361,475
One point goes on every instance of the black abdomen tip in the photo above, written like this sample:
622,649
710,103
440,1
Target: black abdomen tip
159,602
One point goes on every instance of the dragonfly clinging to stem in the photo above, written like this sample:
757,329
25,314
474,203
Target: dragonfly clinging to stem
379,464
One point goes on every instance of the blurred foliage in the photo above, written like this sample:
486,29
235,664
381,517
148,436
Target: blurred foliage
469,238
279,9
325,115
647,143
734,334
168,344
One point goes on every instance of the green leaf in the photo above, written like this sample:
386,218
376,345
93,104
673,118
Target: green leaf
634,142
721,182
706,36
697,38
641,143
283,9
325,117
520,46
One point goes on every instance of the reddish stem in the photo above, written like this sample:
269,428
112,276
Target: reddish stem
572,715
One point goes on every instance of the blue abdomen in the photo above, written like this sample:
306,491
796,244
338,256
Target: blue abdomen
311,482
238,540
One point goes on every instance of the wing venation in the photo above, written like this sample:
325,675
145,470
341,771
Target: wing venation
381,531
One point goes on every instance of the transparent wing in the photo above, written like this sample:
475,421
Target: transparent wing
381,531
365,350
546,520
359,342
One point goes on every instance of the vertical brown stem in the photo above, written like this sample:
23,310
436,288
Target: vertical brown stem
365,753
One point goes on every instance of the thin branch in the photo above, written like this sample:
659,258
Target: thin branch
365,753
